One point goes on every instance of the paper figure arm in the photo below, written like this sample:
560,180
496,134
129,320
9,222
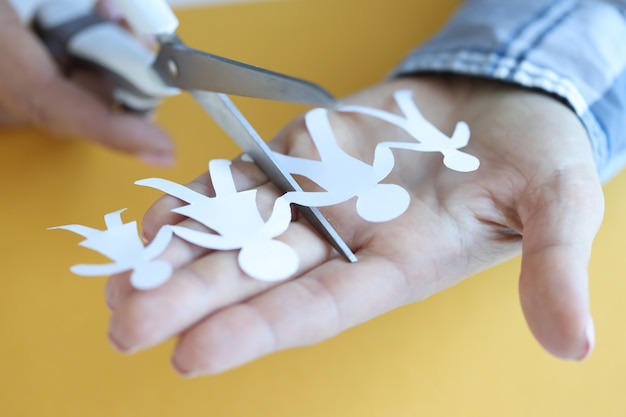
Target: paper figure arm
176,190
92,270
206,240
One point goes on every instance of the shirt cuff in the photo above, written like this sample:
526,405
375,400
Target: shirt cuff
573,49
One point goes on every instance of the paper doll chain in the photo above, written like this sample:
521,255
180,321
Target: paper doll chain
233,215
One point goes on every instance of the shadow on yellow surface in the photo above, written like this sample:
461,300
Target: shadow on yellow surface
465,352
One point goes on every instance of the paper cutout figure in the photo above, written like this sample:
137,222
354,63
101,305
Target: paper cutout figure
121,243
235,218
343,177
429,138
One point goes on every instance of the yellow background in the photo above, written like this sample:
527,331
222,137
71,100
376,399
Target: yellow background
465,352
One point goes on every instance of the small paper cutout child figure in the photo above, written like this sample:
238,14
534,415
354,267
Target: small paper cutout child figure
428,137
121,243
235,218
343,177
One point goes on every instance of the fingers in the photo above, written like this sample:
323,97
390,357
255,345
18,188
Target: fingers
62,107
560,222
313,308
178,253
199,288
35,92
109,10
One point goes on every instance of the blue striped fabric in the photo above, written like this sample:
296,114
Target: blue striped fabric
574,49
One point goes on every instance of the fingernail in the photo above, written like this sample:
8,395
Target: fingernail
590,336
180,370
109,10
111,297
119,346
158,159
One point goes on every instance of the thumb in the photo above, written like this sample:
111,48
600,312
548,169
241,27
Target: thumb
64,107
560,218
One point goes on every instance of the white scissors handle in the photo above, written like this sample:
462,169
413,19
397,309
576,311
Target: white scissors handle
73,32
145,16
151,17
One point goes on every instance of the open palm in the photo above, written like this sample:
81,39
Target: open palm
536,191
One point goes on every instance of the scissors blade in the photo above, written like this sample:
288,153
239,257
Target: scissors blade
230,119
190,69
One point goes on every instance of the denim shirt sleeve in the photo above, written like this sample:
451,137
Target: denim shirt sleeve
574,49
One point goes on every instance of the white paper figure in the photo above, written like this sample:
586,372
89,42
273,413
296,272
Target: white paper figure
343,177
121,243
428,137
235,218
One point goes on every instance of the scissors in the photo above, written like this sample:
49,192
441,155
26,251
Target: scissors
141,78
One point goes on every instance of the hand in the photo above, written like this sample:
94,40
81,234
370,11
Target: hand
34,92
536,190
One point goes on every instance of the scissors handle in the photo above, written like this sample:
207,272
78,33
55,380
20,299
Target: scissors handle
141,77
149,17
78,37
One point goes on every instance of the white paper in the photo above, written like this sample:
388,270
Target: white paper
121,243
428,137
234,217
343,176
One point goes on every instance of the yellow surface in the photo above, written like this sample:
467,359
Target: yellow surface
465,352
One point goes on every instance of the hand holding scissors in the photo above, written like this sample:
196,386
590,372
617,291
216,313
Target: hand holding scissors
35,92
